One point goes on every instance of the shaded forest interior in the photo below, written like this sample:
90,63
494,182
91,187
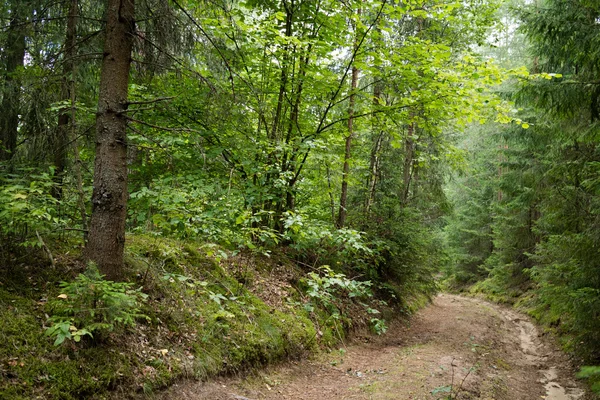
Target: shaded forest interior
179,170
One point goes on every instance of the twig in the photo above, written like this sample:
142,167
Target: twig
306,265
146,273
453,393
132,110
452,381
146,137
337,330
163,128
151,101
76,229
213,43
465,378
46,249
176,60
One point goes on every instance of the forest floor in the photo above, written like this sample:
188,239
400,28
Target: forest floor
461,347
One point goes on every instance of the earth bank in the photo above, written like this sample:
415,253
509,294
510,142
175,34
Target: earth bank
461,347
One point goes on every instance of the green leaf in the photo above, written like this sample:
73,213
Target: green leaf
442,389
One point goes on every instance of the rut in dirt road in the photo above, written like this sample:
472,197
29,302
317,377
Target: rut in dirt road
461,347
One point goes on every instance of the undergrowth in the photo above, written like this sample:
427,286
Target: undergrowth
191,316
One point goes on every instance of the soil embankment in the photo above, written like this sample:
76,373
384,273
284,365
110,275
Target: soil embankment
464,347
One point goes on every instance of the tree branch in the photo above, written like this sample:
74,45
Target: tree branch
150,101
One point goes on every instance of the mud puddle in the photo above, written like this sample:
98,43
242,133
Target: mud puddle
557,385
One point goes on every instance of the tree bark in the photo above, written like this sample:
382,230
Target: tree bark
109,199
330,192
14,55
374,172
66,122
343,211
408,163
67,89
375,152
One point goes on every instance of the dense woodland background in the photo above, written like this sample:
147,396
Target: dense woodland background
386,144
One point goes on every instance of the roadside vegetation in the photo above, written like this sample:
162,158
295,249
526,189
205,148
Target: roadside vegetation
525,228
191,188
70,334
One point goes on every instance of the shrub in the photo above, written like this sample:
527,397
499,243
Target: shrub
26,205
592,373
326,291
91,304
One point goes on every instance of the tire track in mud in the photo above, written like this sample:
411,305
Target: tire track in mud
557,385
465,347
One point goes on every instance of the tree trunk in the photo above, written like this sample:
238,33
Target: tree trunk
67,126
408,163
14,55
373,172
67,89
409,170
284,76
341,221
274,135
330,192
343,211
375,152
501,160
109,199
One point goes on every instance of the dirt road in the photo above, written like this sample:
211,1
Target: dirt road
457,346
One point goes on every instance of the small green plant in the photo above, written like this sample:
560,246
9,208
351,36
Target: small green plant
91,304
592,373
442,389
325,290
341,352
324,287
452,390
379,326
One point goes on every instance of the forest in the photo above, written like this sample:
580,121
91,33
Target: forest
282,173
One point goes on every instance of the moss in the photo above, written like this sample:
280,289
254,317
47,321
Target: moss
19,333
247,332
416,302
203,322
30,364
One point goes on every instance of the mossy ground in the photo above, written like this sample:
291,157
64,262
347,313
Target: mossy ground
206,318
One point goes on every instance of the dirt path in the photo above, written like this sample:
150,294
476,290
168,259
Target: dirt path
469,347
